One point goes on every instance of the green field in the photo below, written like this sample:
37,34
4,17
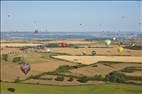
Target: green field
109,88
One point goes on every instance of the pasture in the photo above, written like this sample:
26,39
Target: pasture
109,88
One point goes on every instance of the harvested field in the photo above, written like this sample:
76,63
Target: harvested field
10,72
18,44
49,66
71,41
94,59
99,51
103,69
137,73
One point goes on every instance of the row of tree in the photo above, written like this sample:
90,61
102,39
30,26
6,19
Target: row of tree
15,59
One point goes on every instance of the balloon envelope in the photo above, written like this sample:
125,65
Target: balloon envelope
48,50
25,68
120,49
64,45
107,42
8,15
133,44
114,38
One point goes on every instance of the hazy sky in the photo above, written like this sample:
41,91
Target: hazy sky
71,16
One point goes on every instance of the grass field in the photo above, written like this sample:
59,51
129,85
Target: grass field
84,89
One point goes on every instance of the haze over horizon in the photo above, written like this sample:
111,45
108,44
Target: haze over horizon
71,16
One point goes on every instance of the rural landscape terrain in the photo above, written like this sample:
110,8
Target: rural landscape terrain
71,47
78,65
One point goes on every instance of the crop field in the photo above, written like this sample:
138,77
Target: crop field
95,59
101,51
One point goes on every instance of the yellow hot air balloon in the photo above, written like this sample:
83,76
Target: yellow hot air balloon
120,49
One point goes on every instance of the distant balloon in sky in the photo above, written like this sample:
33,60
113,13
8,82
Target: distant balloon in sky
114,38
120,49
100,24
139,23
25,67
8,15
107,42
80,24
122,17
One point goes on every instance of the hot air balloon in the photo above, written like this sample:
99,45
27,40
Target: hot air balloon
107,42
25,67
48,50
8,15
120,49
63,44
122,17
114,38
133,44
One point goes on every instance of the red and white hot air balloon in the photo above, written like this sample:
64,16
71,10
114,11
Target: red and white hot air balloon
64,45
